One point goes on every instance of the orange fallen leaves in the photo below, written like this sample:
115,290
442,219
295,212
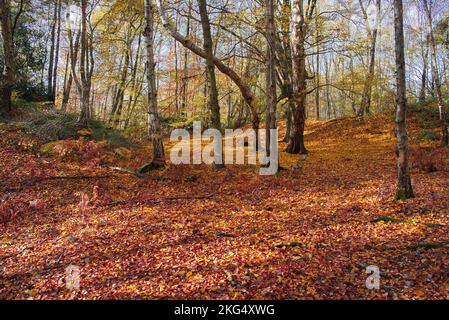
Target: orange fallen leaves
153,239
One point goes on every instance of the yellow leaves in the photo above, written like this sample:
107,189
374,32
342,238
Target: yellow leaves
237,295
191,277
131,288
311,291
420,294
85,132
185,251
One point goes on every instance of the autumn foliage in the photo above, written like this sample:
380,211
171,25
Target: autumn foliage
192,232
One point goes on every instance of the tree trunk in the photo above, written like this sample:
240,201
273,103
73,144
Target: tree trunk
154,127
86,67
185,73
436,76
405,189
271,72
296,143
285,64
210,66
7,79
425,56
317,72
71,60
365,106
239,82
133,96
56,61
52,52
120,96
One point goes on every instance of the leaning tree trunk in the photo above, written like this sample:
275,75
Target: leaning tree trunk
296,144
405,189
239,82
210,66
7,80
154,127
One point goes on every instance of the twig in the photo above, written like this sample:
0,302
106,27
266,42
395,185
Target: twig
124,170
72,178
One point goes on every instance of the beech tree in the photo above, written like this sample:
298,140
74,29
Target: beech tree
301,17
154,127
271,100
405,189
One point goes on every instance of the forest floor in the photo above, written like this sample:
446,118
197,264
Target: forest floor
190,232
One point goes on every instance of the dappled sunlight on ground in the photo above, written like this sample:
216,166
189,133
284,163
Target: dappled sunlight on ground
193,232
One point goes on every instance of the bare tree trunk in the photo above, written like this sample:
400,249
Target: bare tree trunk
271,72
120,96
405,189
134,86
365,106
56,61
239,82
210,66
154,127
7,79
52,53
66,78
134,104
317,72
185,75
71,60
175,44
425,56
285,64
296,143
328,97
436,75
86,67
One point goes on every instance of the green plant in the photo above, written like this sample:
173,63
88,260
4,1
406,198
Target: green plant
49,124
428,136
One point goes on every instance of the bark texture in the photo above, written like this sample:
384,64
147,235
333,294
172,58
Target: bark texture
154,127
405,189
210,66
7,79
